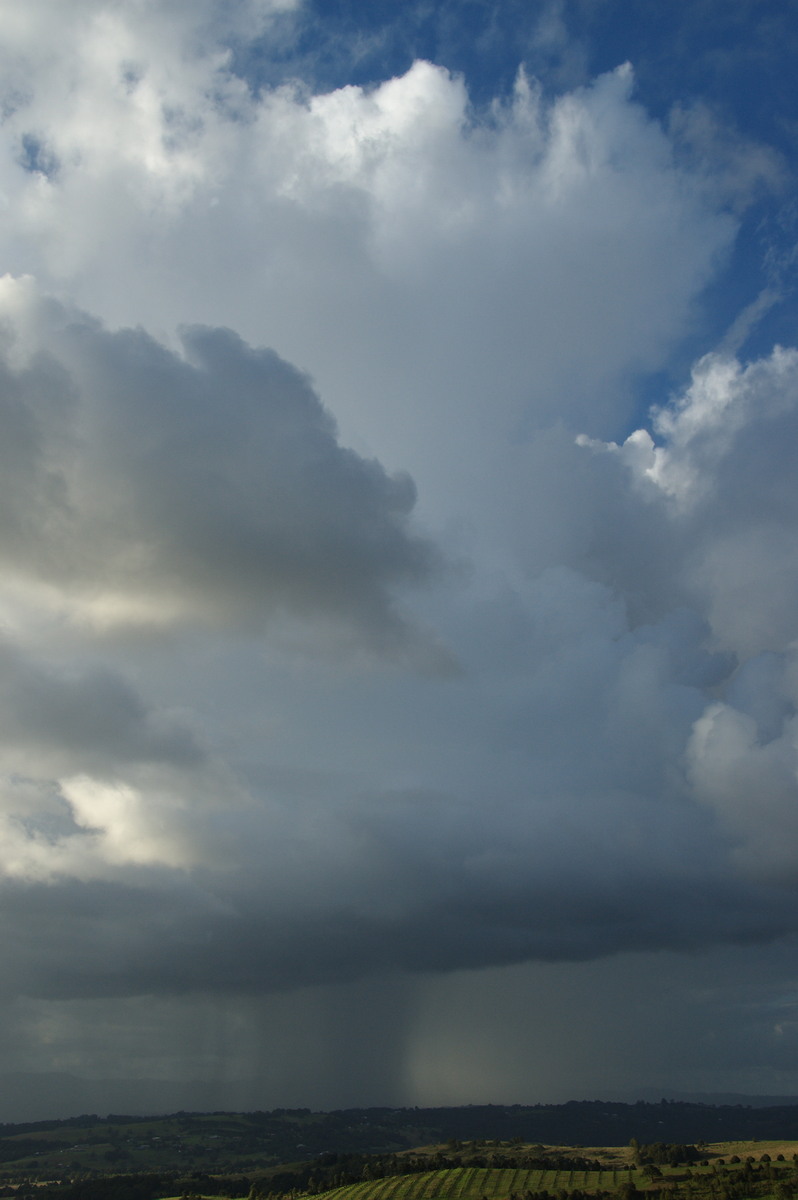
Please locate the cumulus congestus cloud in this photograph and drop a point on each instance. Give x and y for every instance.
(419, 642)
(613, 769)
(146, 492)
(146, 486)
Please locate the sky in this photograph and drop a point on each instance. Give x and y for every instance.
(398, 552)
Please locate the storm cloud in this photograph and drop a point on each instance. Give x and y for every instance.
(397, 555)
(461, 827)
(151, 486)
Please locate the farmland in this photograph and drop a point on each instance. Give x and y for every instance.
(726, 1171)
(723, 1171)
(378, 1155)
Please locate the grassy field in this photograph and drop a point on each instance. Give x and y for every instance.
(474, 1183)
(759, 1172)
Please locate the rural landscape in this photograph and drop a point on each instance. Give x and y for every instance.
(398, 600)
(385, 1154)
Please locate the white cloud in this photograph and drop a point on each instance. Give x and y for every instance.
(723, 474)
(723, 465)
(433, 269)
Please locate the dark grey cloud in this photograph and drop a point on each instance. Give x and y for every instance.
(212, 791)
(92, 718)
(146, 486)
(579, 790)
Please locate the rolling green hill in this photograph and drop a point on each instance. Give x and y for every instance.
(282, 1156)
(734, 1174)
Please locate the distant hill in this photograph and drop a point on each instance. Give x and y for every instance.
(653, 1096)
(26, 1097)
(223, 1141)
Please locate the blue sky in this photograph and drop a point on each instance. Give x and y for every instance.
(399, 551)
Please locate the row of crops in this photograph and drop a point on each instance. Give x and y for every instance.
(474, 1183)
(485, 1183)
